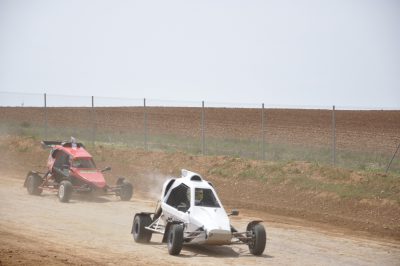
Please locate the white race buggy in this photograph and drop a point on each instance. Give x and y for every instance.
(190, 212)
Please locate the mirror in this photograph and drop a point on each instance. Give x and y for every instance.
(234, 213)
(108, 168)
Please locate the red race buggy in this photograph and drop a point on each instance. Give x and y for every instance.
(72, 169)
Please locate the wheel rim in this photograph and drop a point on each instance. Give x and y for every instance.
(253, 239)
(61, 191)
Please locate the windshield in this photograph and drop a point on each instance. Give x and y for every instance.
(205, 197)
(83, 163)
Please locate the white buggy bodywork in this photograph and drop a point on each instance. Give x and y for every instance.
(190, 212)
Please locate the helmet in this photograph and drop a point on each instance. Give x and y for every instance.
(198, 194)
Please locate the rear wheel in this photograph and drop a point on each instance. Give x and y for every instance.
(65, 191)
(126, 191)
(258, 239)
(33, 183)
(140, 233)
(175, 239)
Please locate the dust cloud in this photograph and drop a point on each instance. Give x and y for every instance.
(152, 184)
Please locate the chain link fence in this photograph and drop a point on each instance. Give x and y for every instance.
(355, 139)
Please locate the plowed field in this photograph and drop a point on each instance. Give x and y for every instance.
(355, 130)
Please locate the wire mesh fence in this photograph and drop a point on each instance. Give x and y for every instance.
(356, 139)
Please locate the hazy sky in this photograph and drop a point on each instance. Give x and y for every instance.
(298, 53)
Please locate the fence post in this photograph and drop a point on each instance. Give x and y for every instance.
(262, 133)
(145, 123)
(391, 160)
(203, 139)
(45, 116)
(94, 123)
(333, 137)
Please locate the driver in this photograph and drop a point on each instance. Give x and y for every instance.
(76, 163)
(198, 196)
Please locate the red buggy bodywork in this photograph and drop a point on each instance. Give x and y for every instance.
(70, 168)
(91, 175)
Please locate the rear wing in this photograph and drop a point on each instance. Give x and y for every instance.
(52, 143)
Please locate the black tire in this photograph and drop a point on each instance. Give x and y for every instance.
(258, 239)
(65, 191)
(126, 191)
(33, 183)
(175, 239)
(140, 233)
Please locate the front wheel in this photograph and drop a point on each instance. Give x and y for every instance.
(65, 191)
(33, 183)
(175, 239)
(126, 191)
(258, 239)
(140, 233)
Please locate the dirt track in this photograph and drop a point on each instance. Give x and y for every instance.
(41, 230)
